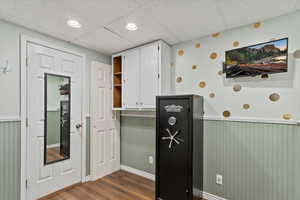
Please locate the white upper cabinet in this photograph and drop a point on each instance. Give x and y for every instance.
(149, 75)
(131, 73)
(146, 73)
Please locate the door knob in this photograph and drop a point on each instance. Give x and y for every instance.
(78, 126)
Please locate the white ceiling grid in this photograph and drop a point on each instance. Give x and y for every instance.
(103, 21)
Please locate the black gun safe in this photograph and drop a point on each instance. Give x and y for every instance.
(179, 147)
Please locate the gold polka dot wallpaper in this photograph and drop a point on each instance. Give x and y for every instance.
(199, 70)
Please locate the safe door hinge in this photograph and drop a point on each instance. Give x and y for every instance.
(27, 122)
(26, 184)
(158, 48)
(158, 76)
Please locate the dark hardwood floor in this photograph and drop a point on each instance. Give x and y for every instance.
(118, 186)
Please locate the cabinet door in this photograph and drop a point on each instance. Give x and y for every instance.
(149, 75)
(131, 71)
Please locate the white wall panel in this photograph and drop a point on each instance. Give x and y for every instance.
(10, 82)
(9, 50)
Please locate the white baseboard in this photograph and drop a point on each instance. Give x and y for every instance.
(138, 172)
(197, 193)
(87, 179)
(147, 175)
(209, 196)
(53, 145)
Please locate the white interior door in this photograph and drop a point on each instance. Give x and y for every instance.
(45, 179)
(105, 124)
(131, 69)
(149, 75)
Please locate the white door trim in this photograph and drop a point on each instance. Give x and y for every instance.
(23, 73)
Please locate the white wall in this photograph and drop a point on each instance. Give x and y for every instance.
(9, 50)
(10, 83)
(255, 91)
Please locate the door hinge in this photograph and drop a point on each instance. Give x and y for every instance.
(158, 48)
(26, 122)
(26, 61)
(26, 184)
(158, 76)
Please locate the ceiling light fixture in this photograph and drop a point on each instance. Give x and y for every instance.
(131, 27)
(73, 23)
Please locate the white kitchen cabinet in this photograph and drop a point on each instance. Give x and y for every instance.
(131, 81)
(149, 75)
(146, 73)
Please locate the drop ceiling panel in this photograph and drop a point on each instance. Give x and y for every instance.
(6, 8)
(267, 8)
(298, 4)
(235, 13)
(171, 20)
(143, 2)
(47, 18)
(7, 5)
(98, 12)
(188, 19)
(240, 12)
(50, 16)
(103, 41)
(48, 30)
(148, 28)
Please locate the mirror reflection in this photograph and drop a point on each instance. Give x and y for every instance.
(57, 118)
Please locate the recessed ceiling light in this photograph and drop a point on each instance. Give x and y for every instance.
(73, 23)
(131, 27)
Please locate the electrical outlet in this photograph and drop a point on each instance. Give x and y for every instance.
(150, 160)
(219, 179)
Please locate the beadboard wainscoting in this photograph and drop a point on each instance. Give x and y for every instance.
(10, 160)
(257, 160)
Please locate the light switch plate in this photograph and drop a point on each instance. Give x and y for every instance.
(150, 159)
(219, 179)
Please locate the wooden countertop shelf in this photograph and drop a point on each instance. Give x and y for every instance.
(117, 82)
(118, 73)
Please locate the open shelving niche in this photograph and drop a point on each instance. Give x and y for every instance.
(117, 81)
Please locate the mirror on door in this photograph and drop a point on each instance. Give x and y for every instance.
(57, 118)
